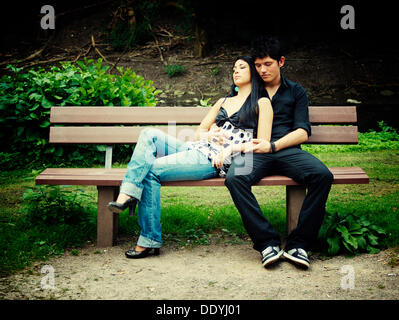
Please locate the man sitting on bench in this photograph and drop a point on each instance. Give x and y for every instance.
(281, 156)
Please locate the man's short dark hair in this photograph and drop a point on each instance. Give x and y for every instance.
(264, 46)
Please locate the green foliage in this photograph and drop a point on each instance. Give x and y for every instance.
(215, 71)
(174, 70)
(349, 233)
(51, 219)
(53, 205)
(27, 96)
(197, 236)
(386, 138)
(205, 103)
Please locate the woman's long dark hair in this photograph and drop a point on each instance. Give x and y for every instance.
(250, 108)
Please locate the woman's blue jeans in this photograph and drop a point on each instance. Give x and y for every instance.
(159, 157)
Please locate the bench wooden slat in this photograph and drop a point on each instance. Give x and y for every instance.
(129, 135)
(333, 115)
(113, 171)
(114, 177)
(180, 115)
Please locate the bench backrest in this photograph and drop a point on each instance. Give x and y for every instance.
(122, 125)
(103, 121)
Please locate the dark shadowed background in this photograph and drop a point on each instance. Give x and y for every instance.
(333, 64)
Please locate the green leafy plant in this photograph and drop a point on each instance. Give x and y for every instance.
(215, 71)
(205, 103)
(55, 205)
(174, 70)
(27, 96)
(349, 233)
(197, 236)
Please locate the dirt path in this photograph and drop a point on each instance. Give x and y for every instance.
(222, 272)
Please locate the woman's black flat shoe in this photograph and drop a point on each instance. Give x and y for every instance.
(133, 254)
(117, 207)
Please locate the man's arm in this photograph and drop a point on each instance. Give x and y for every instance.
(291, 139)
(301, 127)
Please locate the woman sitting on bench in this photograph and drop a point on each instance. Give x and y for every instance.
(235, 124)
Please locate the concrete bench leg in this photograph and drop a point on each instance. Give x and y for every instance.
(107, 222)
(295, 196)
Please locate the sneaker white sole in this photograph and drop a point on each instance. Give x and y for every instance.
(299, 262)
(273, 259)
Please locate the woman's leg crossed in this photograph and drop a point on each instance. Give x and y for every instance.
(184, 165)
(152, 143)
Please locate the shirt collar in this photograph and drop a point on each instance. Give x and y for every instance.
(284, 82)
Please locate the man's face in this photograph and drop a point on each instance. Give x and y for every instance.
(268, 68)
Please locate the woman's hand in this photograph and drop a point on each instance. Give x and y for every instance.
(217, 133)
(218, 162)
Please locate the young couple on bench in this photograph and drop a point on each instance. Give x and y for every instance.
(255, 131)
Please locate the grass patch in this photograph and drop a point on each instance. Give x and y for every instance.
(174, 70)
(195, 215)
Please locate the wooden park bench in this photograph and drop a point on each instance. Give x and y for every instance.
(98, 125)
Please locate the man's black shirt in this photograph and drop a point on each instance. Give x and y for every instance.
(290, 109)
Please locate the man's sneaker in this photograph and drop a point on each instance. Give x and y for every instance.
(298, 256)
(271, 255)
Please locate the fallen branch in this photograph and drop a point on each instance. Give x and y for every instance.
(92, 46)
(80, 54)
(97, 50)
(32, 56)
(44, 62)
(83, 54)
(117, 61)
(157, 45)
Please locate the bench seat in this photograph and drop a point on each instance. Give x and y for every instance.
(113, 177)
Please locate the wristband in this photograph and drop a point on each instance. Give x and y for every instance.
(273, 147)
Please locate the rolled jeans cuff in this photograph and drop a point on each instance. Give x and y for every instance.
(148, 243)
(131, 190)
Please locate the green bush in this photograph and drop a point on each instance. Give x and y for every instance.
(27, 96)
(51, 219)
(386, 138)
(53, 205)
(349, 233)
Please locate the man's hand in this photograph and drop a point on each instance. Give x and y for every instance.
(261, 146)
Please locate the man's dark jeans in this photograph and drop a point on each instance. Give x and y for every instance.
(292, 162)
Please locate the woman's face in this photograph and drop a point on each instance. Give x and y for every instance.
(241, 73)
